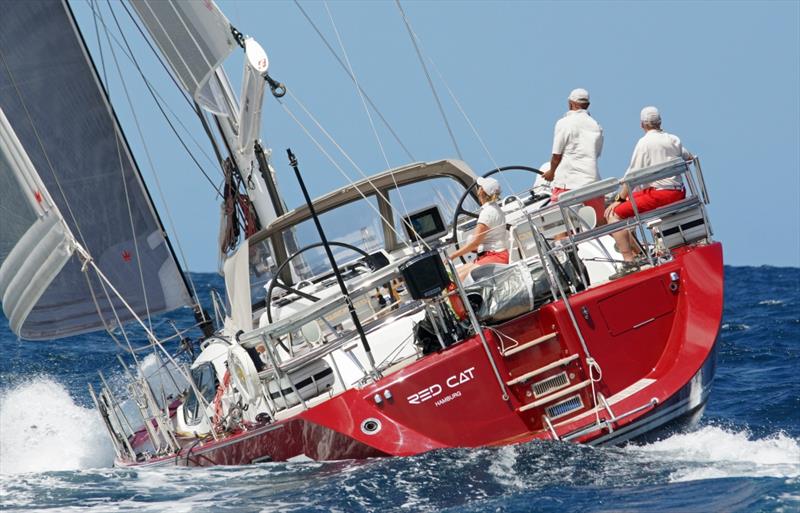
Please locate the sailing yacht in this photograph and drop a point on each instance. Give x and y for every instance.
(335, 340)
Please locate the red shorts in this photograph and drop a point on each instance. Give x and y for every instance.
(598, 203)
(493, 257)
(649, 199)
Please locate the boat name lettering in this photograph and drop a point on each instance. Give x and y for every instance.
(455, 380)
(446, 399)
(434, 390)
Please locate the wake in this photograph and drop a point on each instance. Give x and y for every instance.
(714, 452)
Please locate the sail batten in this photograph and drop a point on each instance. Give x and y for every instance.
(69, 143)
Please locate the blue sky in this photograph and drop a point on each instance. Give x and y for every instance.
(725, 75)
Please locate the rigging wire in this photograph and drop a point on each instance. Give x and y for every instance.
(420, 49)
(63, 195)
(366, 109)
(184, 94)
(161, 101)
(41, 146)
(99, 46)
(149, 158)
(342, 171)
(116, 317)
(352, 77)
(122, 174)
(428, 77)
(463, 113)
(357, 86)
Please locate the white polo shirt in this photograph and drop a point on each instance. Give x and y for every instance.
(496, 239)
(656, 147)
(578, 139)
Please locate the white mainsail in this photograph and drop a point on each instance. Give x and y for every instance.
(29, 217)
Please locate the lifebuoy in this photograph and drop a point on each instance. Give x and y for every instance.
(244, 374)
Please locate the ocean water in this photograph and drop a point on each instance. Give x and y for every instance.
(744, 456)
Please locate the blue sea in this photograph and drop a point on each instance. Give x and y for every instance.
(744, 456)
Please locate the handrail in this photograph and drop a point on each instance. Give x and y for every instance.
(673, 167)
(328, 347)
(316, 310)
(478, 330)
(609, 228)
(587, 192)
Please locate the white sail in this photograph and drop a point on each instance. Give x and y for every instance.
(195, 37)
(68, 177)
(42, 242)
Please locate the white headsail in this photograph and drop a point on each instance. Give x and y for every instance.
(195, 38)
(67, 178)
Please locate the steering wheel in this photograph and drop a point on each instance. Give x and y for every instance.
(278, 282)
(460, 210)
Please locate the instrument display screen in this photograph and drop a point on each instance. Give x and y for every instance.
(427, 224)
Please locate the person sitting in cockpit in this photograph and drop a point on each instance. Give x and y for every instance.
(490, 238)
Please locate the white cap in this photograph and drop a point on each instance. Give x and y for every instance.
(545, 167)
(650, 115)
(489, 185)
(579, 96)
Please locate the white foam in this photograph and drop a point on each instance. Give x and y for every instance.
(41, 429)
(502, 467)
(735, 327)
(713, 452)
(771, 302)
(163, 379)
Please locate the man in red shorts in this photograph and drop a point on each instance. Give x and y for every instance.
(577, 144)
(655, 147)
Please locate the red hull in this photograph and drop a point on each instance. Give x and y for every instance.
(653, 336)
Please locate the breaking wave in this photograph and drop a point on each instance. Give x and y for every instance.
(43, 429)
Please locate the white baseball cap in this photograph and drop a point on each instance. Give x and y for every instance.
(579, 96)
(489, 185)
(650, 115)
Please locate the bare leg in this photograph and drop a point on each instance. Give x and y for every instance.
(625, 241)
(464, 270)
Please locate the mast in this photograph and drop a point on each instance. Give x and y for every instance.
(195, 38)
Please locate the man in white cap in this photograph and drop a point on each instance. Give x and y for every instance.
(655, 147)
(577, 144)
(490, 238)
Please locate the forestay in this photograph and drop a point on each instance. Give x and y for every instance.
(77, 158)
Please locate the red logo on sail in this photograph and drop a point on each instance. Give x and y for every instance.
(126, 256)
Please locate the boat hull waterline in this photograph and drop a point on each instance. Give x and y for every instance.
(653, 333)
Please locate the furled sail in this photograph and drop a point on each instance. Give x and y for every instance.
(70, 151)
(195, 37)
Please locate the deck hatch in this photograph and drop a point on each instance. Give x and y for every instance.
(565, 407)
(550, 384)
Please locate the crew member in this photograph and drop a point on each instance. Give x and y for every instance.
(490, 238)
(577, 144)
(655, 147)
